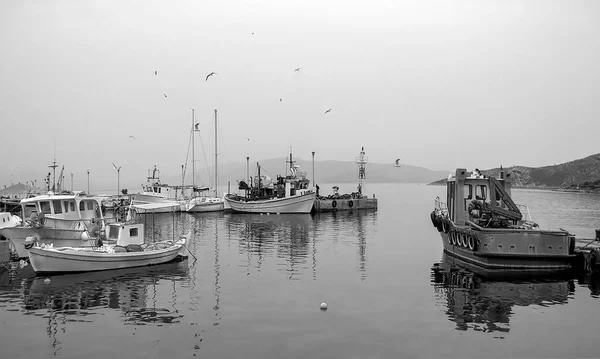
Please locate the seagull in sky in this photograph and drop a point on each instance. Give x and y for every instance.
(165, 94)
(248, 139)
(155, 73)
(280, 99)
(297, 69)
(209, 75)
(397, 162)
(196, 126)
(132, 137)
(253, 33)
(328, 110)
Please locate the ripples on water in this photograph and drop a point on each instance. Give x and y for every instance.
(255, 290)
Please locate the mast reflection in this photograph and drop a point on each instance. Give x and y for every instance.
(482, 300)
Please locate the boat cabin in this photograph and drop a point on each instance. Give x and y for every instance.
(126, 234)
(480, 199)
(154, 187)
(66, 207)
(293, 184)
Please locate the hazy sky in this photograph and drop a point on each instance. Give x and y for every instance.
(440, 84)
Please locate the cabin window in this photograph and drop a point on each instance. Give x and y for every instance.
(90, 205)
(82, 206)
(113, 232)
(66, 205)
(57, 207)
(480, 192)
(159, 190)
(155, 189)
(133, 232)
(72, 205)
(468, 191)
(45, 207)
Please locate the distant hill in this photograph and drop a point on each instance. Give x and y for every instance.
(574, 175)
(325, 172)
(18, 189)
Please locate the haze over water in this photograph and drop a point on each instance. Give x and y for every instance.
(255, 291)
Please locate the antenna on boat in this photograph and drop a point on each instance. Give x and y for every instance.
(53, 166)
(361, 161)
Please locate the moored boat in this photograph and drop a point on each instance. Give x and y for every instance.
(129, 251)
(67, 219)
(289, 194)
(481, 224)
(161, 197)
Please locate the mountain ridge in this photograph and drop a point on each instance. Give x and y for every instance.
(575, 175)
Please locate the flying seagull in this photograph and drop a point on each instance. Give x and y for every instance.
(248, 139)
(155, 73)
(328, 110)
(397, 162)
(209, 75)
(132, 137)
(280, 99)
(297, 69)
(196, 126)
(165, 94)
(253, 33)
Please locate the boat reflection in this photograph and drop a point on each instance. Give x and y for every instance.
(133, 291)
(353, 226)
(483, 300)
(285, 235)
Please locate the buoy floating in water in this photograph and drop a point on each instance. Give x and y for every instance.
(47, 281)
(323, 306)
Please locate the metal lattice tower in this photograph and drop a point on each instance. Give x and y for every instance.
(361, 161)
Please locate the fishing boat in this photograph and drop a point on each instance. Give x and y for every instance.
(69, 218)
(8, 220)
(130, 250)
(199, 201)
(161, 197)
(288, 194)
(481, 224)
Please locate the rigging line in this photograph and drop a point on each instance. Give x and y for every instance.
(206, 162)
(188, 152)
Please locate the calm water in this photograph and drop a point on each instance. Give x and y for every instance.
(255, 291)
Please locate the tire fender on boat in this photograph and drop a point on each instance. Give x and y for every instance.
(334, 203)
(471, 243)
(350, 204)
(446, 225)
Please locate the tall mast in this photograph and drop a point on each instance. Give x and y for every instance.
(193, 158)
(216, 183)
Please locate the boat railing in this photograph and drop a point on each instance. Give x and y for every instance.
(525, 212)
(440, 206)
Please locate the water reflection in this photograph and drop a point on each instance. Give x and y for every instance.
(352, 225)
(482, 300)
(285, 235)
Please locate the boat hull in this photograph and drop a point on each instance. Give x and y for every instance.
(44, 261)
(59, 237)
(196, 206)
(518, 249)
(295, 204)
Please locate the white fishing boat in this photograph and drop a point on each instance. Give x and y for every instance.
(130, 250)
(66, 219)
(161, 197)
(289, 194)
(8, 220)
(199, 202)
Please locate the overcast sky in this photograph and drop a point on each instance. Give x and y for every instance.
(439, 84)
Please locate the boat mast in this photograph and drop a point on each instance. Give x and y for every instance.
(193, 159)
(216, 183)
